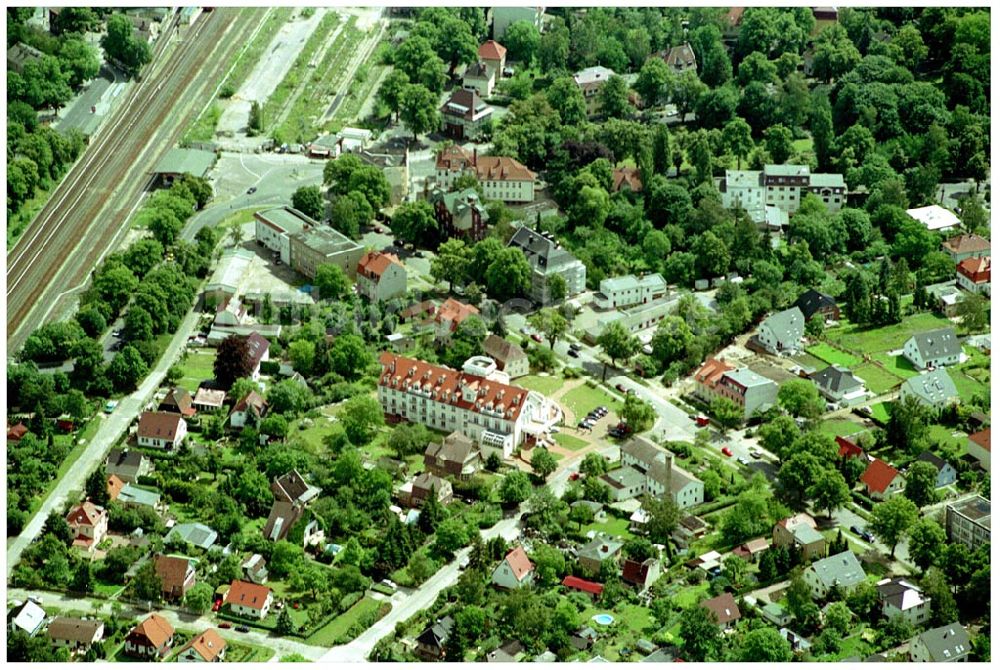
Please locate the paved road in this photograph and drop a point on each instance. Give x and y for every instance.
(111, 430)
(281, 646)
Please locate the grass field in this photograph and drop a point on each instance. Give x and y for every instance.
(691, 595)
(897, 365)
(944, 435)
(196, 368)
(244, 652)
(808, 361)
(203, 129)
(365, 79)
(584, 398)
(877, 379)
(612, 526)
(570, 442)
(840, 427)
(329, 634)
(967, 386)
(887, 338)
(880, 412)
(544, 385)
(832, 355)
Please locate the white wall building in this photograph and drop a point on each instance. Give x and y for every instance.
(630, 290)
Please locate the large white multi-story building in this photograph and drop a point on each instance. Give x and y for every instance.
(500, 177)
(473, 401)
(630, 290)
(548, 258)
(781, 187)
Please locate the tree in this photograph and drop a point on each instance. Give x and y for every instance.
(146, 584)
(309, 201)
(361, 417)
(566, 98)
(79, 61)
(638, 414)
(652, 82)
(778, 142)
(127, 368)
(664, 515)
(522, 41)
(974, 312)
(701, 639)
(451, 263)
(711, 254)
(331, 281)
(199, 598)
(764, 645)
(593, 465)
(927, 538)
(556, 288)
(508, 275)
(737, 138)
(450, 536)
(581, 515)
(835, 54)
(232, 360)
(543, 463)
(391, 92)
(800, 398)
(515, 488)
(550, 323)
(908, 427)
(726, 412)
(414, 222)
(829, 491)
(821, 127)
(617, 343)
(418, 110)
(838, 617)
(892, 519)
(122, 45)
(921, 483)
(455, 42)
(613, 98)
(163, 223)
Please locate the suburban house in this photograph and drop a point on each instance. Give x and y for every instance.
(291, 495)
(848, 448)
(641, 574)
(934, 389)
(680, 58)
(480, 78)
(129, 495)
(841, 570)
(965, 246)
(431, 642)
(75, 634)
(178, 401)
(750, 549)
(782, 332)
(973, 274)
(593, 589)
(707, 377)
(255, 569)
(647, 469)
(455, 456)
(208, 647)
(460, 213)
(452, 162)
(27, 617)
(248, 599)
(197, 534)
(947, 644)
(935, 218)
(250, 409)
(724, 609)
(127, 465)
(464, 114)
(968, 521)
(601, 548)
(978, 447)
(503, 178)
(839, 385)
(750, 391)
(209, 400)
(19, 55)
(800, 532)
(590, 81)
(630, 290)
(150, 639)
(503, 17)
(626, 178)
(494, 55)
(449, 315)
(812, 302)
(548, 258)
(510, 358)
(495, 415)
(161, 429)
(945, 297)
(898, 597)
(424, 485)
(934, 348)
(946, 471)
(259, 349)
(515, 570)
(380, 277)
(776, 613)
(511, 651)
(88, 523)
(882, 481)
(177, 575)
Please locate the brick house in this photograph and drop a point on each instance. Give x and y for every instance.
(249, 600)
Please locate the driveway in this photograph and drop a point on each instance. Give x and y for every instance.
(672, 423)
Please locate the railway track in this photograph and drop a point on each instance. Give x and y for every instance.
(89, 209)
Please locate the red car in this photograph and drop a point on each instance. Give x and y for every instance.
(573, 477)
(536, 337)
(225, 624)
(216, 605)
(727, 451)
(701, 421)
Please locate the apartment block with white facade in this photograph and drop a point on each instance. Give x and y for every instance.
(780, 186)
(630, 290)
(547, 258)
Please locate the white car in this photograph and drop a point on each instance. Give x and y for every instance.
(755, 454)
(391, 584)
(743, 460)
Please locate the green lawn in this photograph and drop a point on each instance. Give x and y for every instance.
(691, 595)
(808, 361)
(878, 380)
(196, 368)
(887, 338)
(570, 442)
(897, 365)
(329, 634)
(967, 386)
(880, 412)
(832, 355)
(941, 434)
(544, 385)
(613, 526)
(584, 398)
(842, 427)
(244, 652)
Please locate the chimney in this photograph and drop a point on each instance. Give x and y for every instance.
(604, 548)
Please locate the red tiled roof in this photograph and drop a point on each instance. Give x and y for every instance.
(208, 645)
(17, 431)
(634, 572)
(247, 594)
(446, 385)
(172, 571)
(724, 606)
(976, 269)
(251, 399)
(115, 486)
(572, 582)
(966, 244)
(492, 50)
(793, 521)
(454, 311)
(848, 448)
(878, 476)
(159, 425)
(502, 168)
(374, 263)
(625, 177)
(85, 514)
(711, 371)
(519, 563)
(454, 157)
(982, 438)
(154, 629)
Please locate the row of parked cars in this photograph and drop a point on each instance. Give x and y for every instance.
(595, 415)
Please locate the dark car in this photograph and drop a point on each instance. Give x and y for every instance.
(397, 243)
(574, 347)
(574, 353)
(251, 190)
(536, 337)
(243, 629)
(620, 388)
(225, 624)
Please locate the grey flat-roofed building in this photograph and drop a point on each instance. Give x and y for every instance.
(179, 161)
(322, 246)
(968, 521)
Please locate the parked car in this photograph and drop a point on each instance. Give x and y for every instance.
(743, 460)
(727, 451)
(110, 406)
(536, 337)
(574, 346)
(225, 624)
(573, 477)
(116, 332)
(620, 388)
(243, 628)
(574, 353)
(756, 454)
(397, 243)
(863, 533)
(251, 190)
(391, 584)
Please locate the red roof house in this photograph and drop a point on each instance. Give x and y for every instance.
(881, 480)
(578, 584)
(848, 449)
(515, 570)
(249, 599)
(726, 611)
(16, 432)
(973, 274)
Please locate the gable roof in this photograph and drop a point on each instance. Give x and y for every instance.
(492, 50)
(840, 569)
(966, 244)
(848, 448)
(210, 397)
(933, 459)
(466, 104)
(680, 56)
(812, 301)
(724, 607)
(172, 571)
(437, 634)
(125, 458)
(247, 594)
(787, 325)
(645, 451)
(946, 643)
(934, 217)
(975, 269)
(501, 350)
(636, 572)
(74, 630)
(251, 400)
(86, 513)
(155, 629)
(455, 311)
(711, 371)
(292, 487)
(197, 534)
(159, 425)
(477, 70)
(836, 379)
(899, 593)
(626, 177)
(258, 346)
(878, 476)
(519, 563)
(453, 157)
(592, 76)
(115, 486)
(208, 645)
(455, 448)
(181, 399)
(426, 481)
(938, 343)
(584, 585)
(374, 263)
(28, 616)
(932, 387)
(601, 547)
(981, 438)
(502, 168)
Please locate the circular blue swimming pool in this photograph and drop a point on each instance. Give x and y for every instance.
(603, 619)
